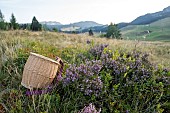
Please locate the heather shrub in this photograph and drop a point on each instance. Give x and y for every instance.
(87, 77)
(116, 81)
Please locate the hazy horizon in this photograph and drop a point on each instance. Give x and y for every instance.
(70, 11)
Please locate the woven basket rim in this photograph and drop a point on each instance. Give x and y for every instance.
(43, 57)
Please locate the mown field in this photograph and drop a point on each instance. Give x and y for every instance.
(109, 75)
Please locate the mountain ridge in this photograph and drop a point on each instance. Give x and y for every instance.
(51, 23)
(81, 24)
(84, 26)
(151, 17)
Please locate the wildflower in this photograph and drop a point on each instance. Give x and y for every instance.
(90, 109)
(87, 75)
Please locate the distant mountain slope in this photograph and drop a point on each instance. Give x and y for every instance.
(78, 25)
(97, 29)
(152, 17)
(85, 24)
(148, 18)
(50, 23)
(69, 29)
(159, 30)
(164, 23)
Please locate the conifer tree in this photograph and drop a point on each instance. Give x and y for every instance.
(113, 31)
(13, 24)
(90, 32)
(35, 25)
(2, 23)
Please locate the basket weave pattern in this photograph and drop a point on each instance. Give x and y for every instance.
(39, 71)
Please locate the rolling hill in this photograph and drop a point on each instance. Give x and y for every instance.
(77, 26)
(51, 23)
(158, 30)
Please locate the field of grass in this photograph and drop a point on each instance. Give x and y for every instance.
(15, 47)
(160, 31)
(13, 41)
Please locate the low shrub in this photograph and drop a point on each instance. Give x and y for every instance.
(116, 81)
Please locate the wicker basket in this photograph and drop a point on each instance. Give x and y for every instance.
(39, 71)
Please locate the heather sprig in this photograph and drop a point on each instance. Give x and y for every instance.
(90, 109)
(87, 75)
(97, 51)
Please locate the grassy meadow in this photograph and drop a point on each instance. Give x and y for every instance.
(15, 47)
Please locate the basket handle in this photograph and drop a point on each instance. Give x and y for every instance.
(58, 59)
(59, 77)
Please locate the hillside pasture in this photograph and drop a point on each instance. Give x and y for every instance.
(160, 31)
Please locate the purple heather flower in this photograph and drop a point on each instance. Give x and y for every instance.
(91, 82)
(97, 50)
(38, 92)
(90, 109)
(59, 78)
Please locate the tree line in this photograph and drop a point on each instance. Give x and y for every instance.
(112, 31)
(13, 25)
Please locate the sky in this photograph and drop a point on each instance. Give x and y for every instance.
(70, 11)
